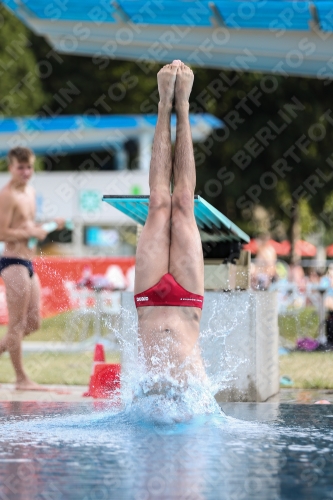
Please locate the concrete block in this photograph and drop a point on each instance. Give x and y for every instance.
(220, 275)
(242, 278)
(129, 342)
(239, 342)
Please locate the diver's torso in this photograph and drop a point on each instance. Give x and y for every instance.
(168, 334)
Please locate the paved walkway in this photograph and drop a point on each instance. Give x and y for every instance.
(305, 396)
(55, 393)
(75, 394)
(32, 346)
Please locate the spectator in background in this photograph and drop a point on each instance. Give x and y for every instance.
(265, 262)
(313, 276)
(296, 275)
(19, 232)
(326, 282)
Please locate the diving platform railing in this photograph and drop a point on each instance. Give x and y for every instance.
(227, 265)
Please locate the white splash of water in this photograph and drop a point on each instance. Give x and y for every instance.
(157, 395)
(220, 365)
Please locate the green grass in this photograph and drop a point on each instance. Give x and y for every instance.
(55, 368)
(303, 323)
(70, 326)
(66, 326)
(308, 370)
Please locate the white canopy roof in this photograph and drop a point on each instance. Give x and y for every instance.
(60, 135)
(278, 36)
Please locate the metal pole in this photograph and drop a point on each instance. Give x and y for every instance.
(98, 318)
(322, 317)
(145, 145)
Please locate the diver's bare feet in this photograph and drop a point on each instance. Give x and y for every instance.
(166, 79)
(183, 87)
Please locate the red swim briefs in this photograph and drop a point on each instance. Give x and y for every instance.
(167, 292)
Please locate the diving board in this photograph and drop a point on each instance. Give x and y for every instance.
(211, 222)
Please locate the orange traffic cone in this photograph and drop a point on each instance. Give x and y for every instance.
(106, 380)
(99, 357)
(105, 377)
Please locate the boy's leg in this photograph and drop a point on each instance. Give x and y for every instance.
(186, 257)
(23, 303)
(33, 313)
(18, 290)
(152, 255)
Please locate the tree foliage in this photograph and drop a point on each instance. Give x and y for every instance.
(21, 91)
(293, 167)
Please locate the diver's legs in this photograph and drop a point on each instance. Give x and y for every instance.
(152, 255)
(186, 257)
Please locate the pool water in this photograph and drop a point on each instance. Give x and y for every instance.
(90, 451)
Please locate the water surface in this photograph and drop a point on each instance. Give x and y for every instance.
(90, 451)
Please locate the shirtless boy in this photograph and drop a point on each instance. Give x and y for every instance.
(169, 276)
(17, 225)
